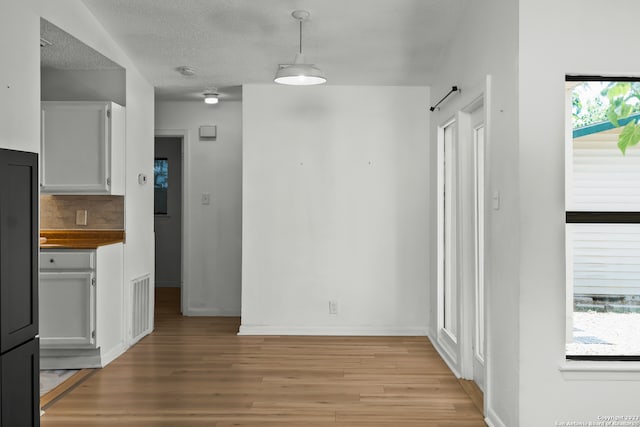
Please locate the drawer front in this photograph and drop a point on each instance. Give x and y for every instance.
(67, 260)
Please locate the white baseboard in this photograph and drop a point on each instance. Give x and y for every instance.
(333, 330)
(69, 362)
(112, 355)
(493, 420)
(213, 312)
(80, 358)
(444, 356)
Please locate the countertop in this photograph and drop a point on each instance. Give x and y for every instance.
(79, 239)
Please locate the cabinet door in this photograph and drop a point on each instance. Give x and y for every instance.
(75, 147)
(18, 248)
(67, 310)
(20, 386)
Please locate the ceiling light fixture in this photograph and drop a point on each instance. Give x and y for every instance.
(299, 73)
(211, 96)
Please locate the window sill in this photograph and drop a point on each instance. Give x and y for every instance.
(584, 370)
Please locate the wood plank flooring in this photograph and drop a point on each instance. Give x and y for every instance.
(195, 372)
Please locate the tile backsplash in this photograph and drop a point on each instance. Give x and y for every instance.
(103, 212)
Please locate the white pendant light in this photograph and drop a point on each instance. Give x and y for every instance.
(211, 96)
(300, 73)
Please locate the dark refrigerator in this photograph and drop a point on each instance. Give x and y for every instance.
(19, 248)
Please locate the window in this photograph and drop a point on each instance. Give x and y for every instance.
(602, 199)
(160, 185)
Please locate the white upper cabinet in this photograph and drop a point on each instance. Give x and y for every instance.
(82, 149)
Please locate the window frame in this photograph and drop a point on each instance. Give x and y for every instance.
(592, 217)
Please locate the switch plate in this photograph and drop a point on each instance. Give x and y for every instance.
(81, 217)
(333, 307)
(495, 200)
(206, 198)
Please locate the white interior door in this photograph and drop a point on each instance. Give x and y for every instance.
(478, 138)
(448, 277)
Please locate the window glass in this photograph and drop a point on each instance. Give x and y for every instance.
(603, 219)
(605, 277)
(160, 186)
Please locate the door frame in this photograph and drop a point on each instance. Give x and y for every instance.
(183, 134)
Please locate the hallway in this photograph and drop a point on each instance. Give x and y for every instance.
(195, 371)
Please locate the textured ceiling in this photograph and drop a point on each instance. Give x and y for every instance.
(234, 42)
(68, 53)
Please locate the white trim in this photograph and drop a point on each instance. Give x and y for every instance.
(444, 355)
(488, 369)
(584, 370)
(215, 312)
(79, 359)
(410, 331)
(493, 420)
(186, 185)
(465, 263)
(70, 362)
(113, 354)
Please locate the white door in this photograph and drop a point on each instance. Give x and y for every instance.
(478, 138)
(448, 283)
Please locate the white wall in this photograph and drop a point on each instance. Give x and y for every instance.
(74, 18)
(335, 208)
(213, 241)
(20, 85)
(486, 44)
(575, 40)
(84, 85)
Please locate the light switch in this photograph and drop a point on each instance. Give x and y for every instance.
(206, 198)
(81, 217)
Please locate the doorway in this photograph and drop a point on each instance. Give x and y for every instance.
(168, 188)
(461, 241)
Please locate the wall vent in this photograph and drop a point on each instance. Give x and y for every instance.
(140, 303)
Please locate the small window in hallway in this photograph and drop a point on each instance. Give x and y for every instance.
(160, 185)
(602, 200)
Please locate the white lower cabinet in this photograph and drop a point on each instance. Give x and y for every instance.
(81, 307)
(67, 309)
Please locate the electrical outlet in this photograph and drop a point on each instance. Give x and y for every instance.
(333, 307)
(81, 217)
(206, 198)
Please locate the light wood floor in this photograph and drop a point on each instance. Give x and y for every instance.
(196, 372)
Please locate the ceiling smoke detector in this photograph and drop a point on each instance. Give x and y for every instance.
(186, 71)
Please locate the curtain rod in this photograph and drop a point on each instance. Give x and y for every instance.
(453, 89)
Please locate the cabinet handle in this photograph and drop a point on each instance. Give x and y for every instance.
(51, 260)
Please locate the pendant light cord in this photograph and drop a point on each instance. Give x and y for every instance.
(301, 36)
